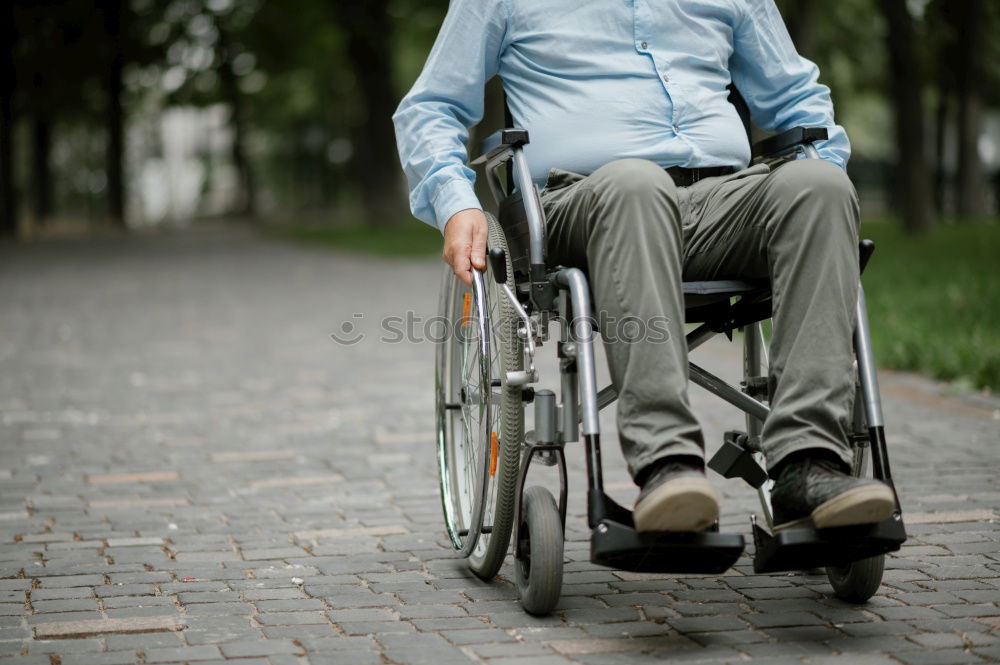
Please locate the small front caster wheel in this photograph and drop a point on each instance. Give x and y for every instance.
(539, 559)
(858, 581)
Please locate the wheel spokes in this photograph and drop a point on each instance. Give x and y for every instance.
(472, 410)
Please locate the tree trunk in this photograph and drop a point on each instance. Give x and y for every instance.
(940, 147)
(246, 202)
(369, 37)
(802, 22)
(41, 171)
(247, 205)
(114, 26)
(8, 208)
(912, 178)
(971, 184)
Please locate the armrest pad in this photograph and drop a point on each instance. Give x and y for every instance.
(499, 141)
(787, 140)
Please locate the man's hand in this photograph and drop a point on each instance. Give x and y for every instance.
(465, 243)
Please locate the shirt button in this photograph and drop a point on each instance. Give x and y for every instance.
(643, 45)
(677, 129)
(666, 79)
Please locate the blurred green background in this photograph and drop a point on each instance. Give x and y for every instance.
(120, 115)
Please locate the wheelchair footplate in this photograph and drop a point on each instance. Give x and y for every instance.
(615, 543)
(806, 548)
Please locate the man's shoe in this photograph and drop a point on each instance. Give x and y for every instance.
(817, 493)
(676, 497)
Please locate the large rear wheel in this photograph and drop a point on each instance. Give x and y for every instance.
(480, 419)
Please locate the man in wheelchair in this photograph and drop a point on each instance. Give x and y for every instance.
(643, 163)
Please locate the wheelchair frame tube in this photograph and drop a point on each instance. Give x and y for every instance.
(753, 355)
(568, 412)
(752, 341)
(574, 280)
(869, 390)
(532, 208)
(866, 364)
(720, 388)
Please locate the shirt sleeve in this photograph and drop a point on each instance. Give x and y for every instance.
(781, 87)
(433, 120)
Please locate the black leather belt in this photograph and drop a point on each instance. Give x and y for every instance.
(686, 177)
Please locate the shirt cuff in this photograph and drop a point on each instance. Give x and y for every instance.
(451, 197)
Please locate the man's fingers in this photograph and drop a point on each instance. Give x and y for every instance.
(479, 246)
(463, 270)
(465, 243)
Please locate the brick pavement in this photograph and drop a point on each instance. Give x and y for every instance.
(191, 471)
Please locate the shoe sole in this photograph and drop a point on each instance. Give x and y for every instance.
(861, 505)
(684, 504)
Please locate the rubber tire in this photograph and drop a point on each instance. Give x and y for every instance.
(858, 581)
(488, 564)
(539, 574)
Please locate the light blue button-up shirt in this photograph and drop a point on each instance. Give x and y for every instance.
(597, 80)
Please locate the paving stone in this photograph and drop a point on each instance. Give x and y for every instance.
(579, 647)
(253, 456)
(273, 594)
(508, 649)
(106, 658)
(479, 636)
(705, 624)
(352, 657)
(66, 605)
(340, 644)
(144, 641)
(300, 631)
(290, 618)
(375, 627)
(260, 648)
(186, 654)
(134, 542)
(433, 656)
(447, 623)
(938, 657)
(428, 611)
(64, 629)
(207, 597)
(531, 660)
(54, 582)
(217, 609)
(143, 477)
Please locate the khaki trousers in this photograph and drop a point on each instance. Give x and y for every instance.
(638, 236)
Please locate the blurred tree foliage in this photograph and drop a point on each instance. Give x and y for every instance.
(308, 87)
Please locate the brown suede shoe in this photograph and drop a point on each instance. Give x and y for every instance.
(676, 497)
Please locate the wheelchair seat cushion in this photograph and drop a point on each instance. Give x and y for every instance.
(729, 287)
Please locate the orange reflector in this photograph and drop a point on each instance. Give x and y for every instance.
(466, 307)
(494, 452)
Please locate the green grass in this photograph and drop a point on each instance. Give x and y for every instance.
(934, 301)
(407, 239)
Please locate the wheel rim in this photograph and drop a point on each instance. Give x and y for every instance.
(468, 361)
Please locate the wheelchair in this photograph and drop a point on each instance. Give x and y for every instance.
(486, 375)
